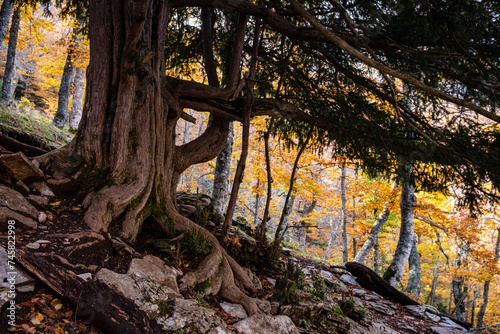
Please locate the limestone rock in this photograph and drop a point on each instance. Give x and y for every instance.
(310, 311)
(381, 308)
(348, 279)
(20, 168)
(261, 323)
(333, 281)
(235, 310)
(42, 188)
(16, 202)
(264, 305)
(153, 268)
(384, 329)
(24, 222)
(446, 330)
(255, 280)
(40, 200)
(188, 314)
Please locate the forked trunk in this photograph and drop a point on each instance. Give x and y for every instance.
(124, 151)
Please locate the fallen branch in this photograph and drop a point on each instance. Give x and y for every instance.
(94, 301)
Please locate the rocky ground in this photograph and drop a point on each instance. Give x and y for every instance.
(301, 297)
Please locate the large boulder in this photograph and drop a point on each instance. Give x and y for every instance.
(13, 206)
(189, 317)
(261, 323)
(19, 167)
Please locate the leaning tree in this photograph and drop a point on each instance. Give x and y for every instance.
(350, 68)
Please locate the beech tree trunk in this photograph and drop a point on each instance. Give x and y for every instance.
(265, 217)
(10, 64)
(415, 275)
(394, 273)
(5, 15)
(75, 114)
(343, 215)
(486, 288)
(64, 95)
(333, 236)
(125, 150)
(221, 175)
(458, 284)
(373, 236)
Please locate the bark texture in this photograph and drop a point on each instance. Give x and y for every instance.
(459, 286)
(77, 104)
(221, 175)
(415, 275)
(343, 214)
(10, 64)
(394, 273)
(5, 15)
(124, 154)
(373, 236)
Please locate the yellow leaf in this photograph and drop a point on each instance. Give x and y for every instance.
(55, 203)
(35, 321)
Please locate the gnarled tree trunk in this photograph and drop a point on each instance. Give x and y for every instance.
(125, 146)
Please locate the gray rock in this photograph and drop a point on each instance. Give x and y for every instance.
(33, 245)
(154, 269)
(383, 328)
(235, 310)
(85, 276)
(381, 308)
(42, 217)
(14, 201)
(359, 292)
(348, 279)
(275, 308)
(42, 188)
(447, 322)
(433, 316)
(255, 280)
(23, 185)
(20, 168)
(272, 281)
(333, 281)
(264, 305)
(4, 299)
(446, 330)
(23, 222)
(188, 314)
(261, 323)
(40, 200)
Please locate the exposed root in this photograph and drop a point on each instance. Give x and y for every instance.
(218, 273)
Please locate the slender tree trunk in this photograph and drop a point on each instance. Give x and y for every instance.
(333, 236)
(376, 258)
(67, 78)
(265, 217)
(431, 298)
(75, 114)
(238, 176)
(343, 215)
(301, 230)
(288, 212)
(458, 284)
(415, 275)
(221, 175)
(486, 289)
(257, 206)
(281, 229)
(394, 273)
(10, 64)
(373, 236)
(5, 14)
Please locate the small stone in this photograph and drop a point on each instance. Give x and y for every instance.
(235, 310)
(275, 308)
(33, 245)
(263, 305)
(348, 279)
(271, 280)
(359, 292)
(42, 217)
(210, 223)
(432, 316)
(42, 227)
(85, 276)
(42, 188)
(44, 242)
(40, 200)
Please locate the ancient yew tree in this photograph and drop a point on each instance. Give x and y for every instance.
(124, 158)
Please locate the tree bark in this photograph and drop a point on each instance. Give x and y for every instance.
(376, 258)
(415, 275)
(5, 14)
(10, 64)
(333, 236)
(75, 114)
(458, 284)
(124, 156)
(373, 236)
(221, 175)
(64, 95)
(394, 273)
(265, 217)
(343, 215)
(486, 288)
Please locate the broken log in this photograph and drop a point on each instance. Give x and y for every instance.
(93, 300)
(16, 146)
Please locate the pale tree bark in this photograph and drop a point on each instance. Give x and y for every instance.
(333, 235)
(221, 175)
(373, 236)
(459, 286)
(64, 95)
(301, 228)
(343, 214)
(257, 206)
(286, 215)
(431, 298)
(376, 258)
(486, 288)
(10, 64)
(5, 15)
(75, 114)
(265, 217)
(415, 274)
(394, 273)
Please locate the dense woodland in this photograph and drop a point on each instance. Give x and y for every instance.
(351, 130)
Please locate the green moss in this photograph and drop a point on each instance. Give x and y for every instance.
(92, 178)
(389, 273)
